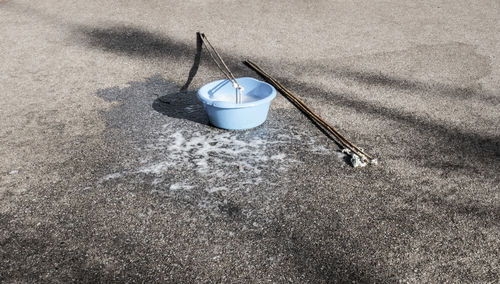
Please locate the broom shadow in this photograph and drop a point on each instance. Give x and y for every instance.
(196, 63)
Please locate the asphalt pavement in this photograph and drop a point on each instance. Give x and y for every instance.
(111, 172)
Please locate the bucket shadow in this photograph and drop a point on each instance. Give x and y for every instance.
(181, 105)
(141, 102)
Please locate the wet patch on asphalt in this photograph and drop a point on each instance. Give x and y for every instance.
(167, 146)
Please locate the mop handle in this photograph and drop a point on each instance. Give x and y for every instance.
(222, 65)
(312, 115)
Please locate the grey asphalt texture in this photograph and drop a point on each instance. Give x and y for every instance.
(110, 171)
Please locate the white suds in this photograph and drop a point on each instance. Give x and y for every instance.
(112, 176)
(279, 157)
(358, 161)
(155, 168)
(213, 158)
(180, 185)
(207, 153)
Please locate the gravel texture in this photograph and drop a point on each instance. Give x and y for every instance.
(110, 171)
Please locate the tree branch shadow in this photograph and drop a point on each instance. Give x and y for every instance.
(455, 143)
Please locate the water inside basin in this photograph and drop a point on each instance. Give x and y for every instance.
(220, 103)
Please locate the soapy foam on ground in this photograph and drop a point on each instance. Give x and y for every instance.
(180, 185)
(206, 154)
(214, 157)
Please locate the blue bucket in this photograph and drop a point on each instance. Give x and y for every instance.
(219, 101)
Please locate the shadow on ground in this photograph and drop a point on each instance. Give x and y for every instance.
(161, 95)
(181, 105)
(136, 42)
(132, 41)
(453, 151)
(116, 226)
(454, 144)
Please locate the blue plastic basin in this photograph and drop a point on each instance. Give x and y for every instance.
(219, 101)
